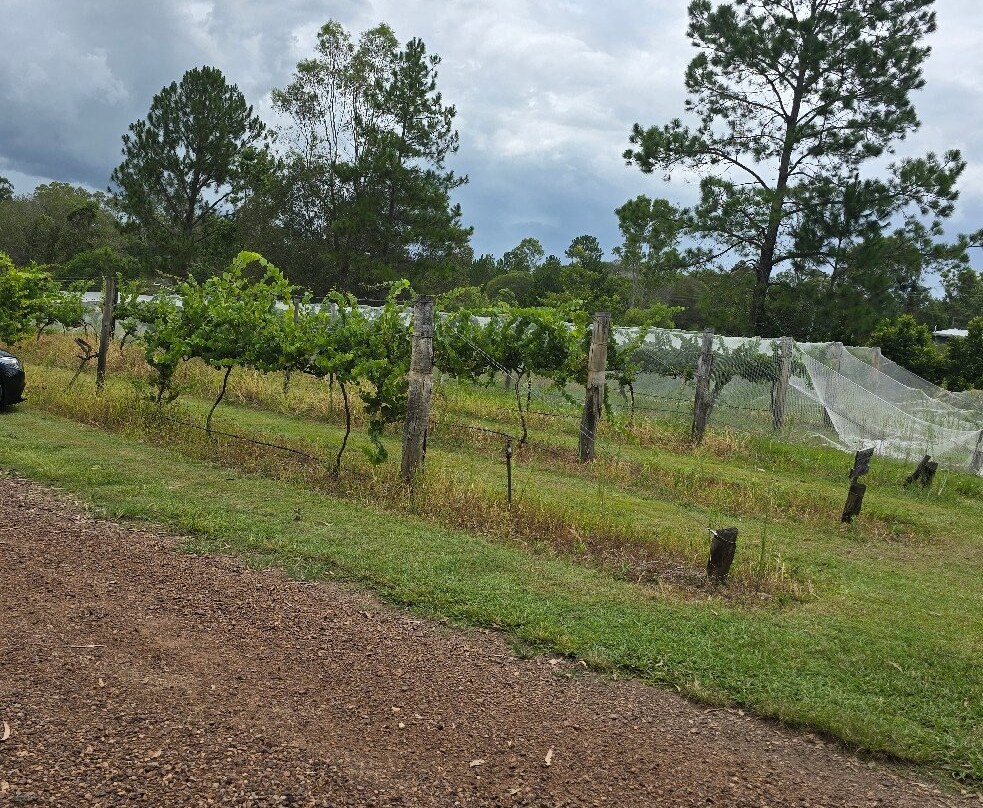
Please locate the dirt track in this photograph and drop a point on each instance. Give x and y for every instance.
(132, 674)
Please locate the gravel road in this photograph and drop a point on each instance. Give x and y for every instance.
(133, 674)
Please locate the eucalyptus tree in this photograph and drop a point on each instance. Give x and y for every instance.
(364, 192)
(650, 252)
(792, 98)
(187, 167)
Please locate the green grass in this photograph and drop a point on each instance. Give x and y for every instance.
(890, 665)
(873, 635)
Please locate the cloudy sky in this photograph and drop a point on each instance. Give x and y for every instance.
(546, 92)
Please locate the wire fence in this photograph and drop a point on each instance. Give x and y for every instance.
(843, 396)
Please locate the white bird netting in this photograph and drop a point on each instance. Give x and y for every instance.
(849, 397)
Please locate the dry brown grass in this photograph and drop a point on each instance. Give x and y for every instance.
(441, 495)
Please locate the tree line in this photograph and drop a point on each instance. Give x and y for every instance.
(807, 223)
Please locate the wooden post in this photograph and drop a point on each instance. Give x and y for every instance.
(977, 461)
(701, 404)
(594, 396)
(781, 386)
(723, 545)
(861, 463)
(925, 471)
(295, 302)
(421, 387)
(854, 501)
(835, 355)
(855, 497)
(875, 363)
(508, 471)
(108, 326)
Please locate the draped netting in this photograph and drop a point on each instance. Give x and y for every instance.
(849, 397)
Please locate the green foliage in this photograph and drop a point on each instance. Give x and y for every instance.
(234, 319)
(384, 362)
(99, 262)
(649, 252)
(624, 361)
(721, 298)
(226, 321)
(676, 355)
(31, 301)
(463, 297)
(55, 223)
(527, 256)
(186, 166)
(655, 315)
(909, 343)
(879, 279)
(239, 319)
(519, 342)
(589, 282)
(482, 269)
(516, 288)
(363, 195)
(340, 341)
(792, 100)
(963, 296)
(965, 360)
(548, 279)
(164, 337)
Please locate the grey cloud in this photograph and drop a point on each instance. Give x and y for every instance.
(546, 91)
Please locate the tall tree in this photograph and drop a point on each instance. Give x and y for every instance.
(186, 167)
(590, 279)
(965, 360)
(963, 297)
(6, 189)
(526, 256)
(792, 98)
(364, 192)
(650, 252)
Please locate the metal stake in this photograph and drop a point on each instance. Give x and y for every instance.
(508, 470)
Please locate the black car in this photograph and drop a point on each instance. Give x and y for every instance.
(11, 379)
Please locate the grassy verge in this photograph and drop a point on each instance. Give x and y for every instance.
(885, 658)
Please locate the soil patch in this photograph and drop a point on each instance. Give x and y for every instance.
(134, 674)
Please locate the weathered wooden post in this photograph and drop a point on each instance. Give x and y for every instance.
(855, 498)
(701, 404)
(508, 472)
(723, 545)
(295, 304)
(977, 461)
(421, 387)
(594, 396)
(108, 326)
(835, 356)
(781, 385)
(875, 374)
(925, 471)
